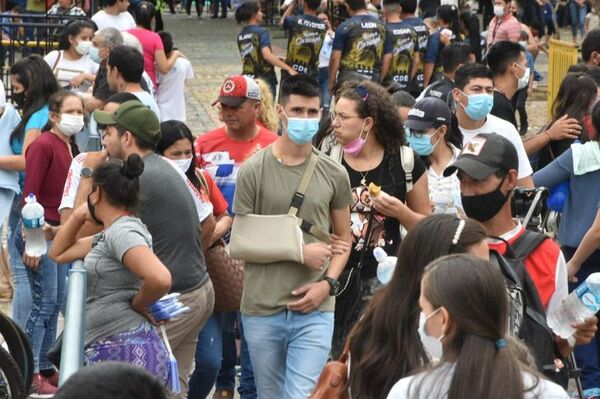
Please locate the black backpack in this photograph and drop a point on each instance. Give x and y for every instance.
(527, 318)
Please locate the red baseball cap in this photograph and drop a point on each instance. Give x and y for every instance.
(237, 89)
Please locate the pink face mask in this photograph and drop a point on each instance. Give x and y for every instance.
(355, 146)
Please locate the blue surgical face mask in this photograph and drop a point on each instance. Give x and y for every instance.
(479, 106)
(94, 53)
(301, 130)
(421, 143)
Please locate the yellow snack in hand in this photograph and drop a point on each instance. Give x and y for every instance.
(374, 190)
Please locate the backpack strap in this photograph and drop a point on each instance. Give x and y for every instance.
(408, 164)
(527, 243)
(202, 180)
(336, 153)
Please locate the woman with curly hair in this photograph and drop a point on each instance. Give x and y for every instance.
(366, 123)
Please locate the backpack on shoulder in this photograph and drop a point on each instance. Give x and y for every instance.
(527, 316)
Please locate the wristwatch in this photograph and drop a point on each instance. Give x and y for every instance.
(86, 172)
(333, 284)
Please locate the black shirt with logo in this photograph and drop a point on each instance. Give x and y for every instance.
(363, 41)
(306, 35)
(405, 43)
(251, 40)
(422, 36)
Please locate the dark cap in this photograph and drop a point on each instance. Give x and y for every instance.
(134, 116)
(428, 112)
(485, 155)
(237, 89)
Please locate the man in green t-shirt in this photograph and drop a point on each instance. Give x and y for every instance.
(287, 307)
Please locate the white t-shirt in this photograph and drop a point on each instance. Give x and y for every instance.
(437, 383)
(65, 69)
(493, 124)
(203, 206)
(2, 95)
(171, 90)
(122, 21)
(147, 99)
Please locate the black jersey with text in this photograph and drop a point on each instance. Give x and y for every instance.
(251, 40)
(363, 41)
(404, 45)
(306, 35)
(422, 36)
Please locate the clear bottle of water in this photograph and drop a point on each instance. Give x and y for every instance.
(386, 266)
(33, 222)
(579, 305)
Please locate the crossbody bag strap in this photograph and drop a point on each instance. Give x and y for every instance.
(298, 200)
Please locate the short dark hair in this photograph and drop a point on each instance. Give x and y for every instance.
(408, 6)
(454, 55)
(312, 4)
(121, 98)
(467, 72)
(128, 61)
(115, 380)
(356, 5)
(502, 54)
(300, 85)
(590, 44)
(246, 10)
(144, 13)
(167, 41)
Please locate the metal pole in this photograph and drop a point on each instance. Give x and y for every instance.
(71, 358)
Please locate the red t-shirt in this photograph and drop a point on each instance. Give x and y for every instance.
(47, 162)
(221, 156)
(546, 267)
(215, 196)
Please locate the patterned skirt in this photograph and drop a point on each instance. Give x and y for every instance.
(140, 346)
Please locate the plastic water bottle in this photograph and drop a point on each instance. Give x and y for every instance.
(386, 266)
(579, 305)
(33, 221)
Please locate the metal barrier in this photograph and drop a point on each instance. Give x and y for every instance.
(71, 357)
(562, 56)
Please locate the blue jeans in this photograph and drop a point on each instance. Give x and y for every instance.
(587, 356)
(324, 84)
(211, 357)
(577, 18)
(288, 351)
(21, 303)
(48, 292)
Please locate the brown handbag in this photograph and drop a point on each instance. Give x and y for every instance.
(226, 273)
(227, 276)
(333, 381)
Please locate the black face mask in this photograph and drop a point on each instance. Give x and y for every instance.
(92, 209)
(19, 99)
(483, 207)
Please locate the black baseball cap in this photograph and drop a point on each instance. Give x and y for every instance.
(485, 155)
(428, 112)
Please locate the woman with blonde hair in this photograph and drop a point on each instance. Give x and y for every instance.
(267, 115)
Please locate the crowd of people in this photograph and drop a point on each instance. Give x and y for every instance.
(298, 188)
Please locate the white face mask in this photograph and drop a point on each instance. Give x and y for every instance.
(183, 164)
(70, 124)
(433, 345)
(498, 11)
(523, 81)
(83, 47)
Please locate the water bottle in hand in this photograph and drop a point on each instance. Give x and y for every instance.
(386, 266)
(33, 222)
(579, 305)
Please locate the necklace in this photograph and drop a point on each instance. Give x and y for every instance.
(363, 181)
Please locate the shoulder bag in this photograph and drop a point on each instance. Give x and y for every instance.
(275, 238)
